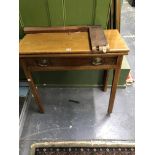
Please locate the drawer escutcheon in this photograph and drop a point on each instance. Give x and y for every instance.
(43, 62)
(97, 61)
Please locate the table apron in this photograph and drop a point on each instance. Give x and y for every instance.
(70, 63)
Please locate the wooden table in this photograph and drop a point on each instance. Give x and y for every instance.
(51, 49)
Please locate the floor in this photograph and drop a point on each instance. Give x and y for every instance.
(80, 113)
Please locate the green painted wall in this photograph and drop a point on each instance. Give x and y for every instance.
(102, 12)
(55, 11)
(64, 13)
(34, 12)
(79, 12)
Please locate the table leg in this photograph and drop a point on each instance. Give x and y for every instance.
(114, 84)
(105, 79)
(32, 86)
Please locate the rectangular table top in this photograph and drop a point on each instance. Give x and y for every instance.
(73, 42)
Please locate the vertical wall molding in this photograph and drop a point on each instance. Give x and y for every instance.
(118, 14)
(94, 12)
(21, 20)
(48, 12)
(109, 13)
(115, 14)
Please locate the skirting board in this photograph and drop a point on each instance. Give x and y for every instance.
(76, 86)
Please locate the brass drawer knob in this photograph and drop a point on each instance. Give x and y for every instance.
(97, 61)
(43, 63)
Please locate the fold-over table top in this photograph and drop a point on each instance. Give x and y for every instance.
(73, 42)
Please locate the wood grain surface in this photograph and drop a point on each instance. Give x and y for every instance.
(74, 42)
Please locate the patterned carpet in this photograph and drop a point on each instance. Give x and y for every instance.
(85, 151)
(83, 148)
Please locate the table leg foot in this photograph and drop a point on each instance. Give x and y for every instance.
(42, 111)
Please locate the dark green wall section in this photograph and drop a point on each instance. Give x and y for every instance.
(77, 78)
(69, 77)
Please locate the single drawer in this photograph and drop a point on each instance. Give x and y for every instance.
(70, 61)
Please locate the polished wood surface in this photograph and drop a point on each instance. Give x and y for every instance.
(116, 42)
(74, 42)
(55, 43)
(33, 30)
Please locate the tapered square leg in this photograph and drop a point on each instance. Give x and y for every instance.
(32, 86)
(116, 76)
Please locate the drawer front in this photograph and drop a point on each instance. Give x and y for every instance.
(72, 61)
